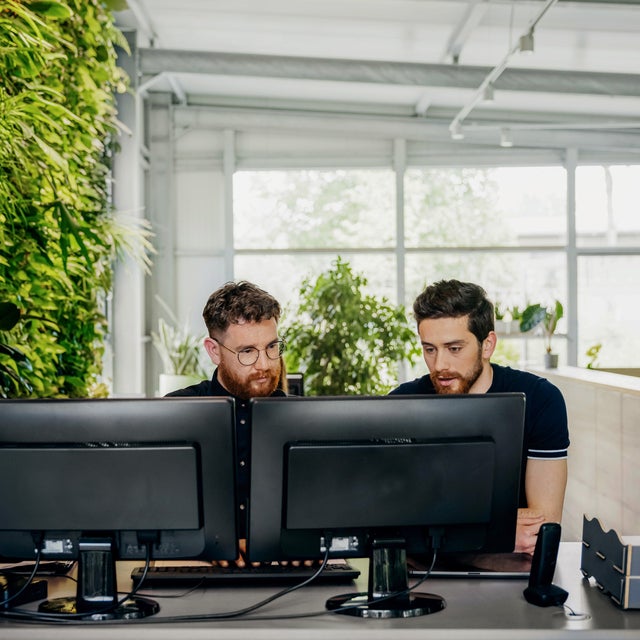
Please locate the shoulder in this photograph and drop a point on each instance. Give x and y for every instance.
(508, 379)
(546, 426)
(415, 387)
(203, 388)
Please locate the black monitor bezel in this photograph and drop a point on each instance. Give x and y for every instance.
(278, 421)
(206, 424)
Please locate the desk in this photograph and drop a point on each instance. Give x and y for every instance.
(478, 609)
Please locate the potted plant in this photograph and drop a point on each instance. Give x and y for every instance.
(344, 341)
(547, 317)
(507, 319)
(180, 352)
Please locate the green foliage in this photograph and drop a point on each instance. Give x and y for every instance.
(536, 314)
(507, 313)
(592, 353)
(179, 349)
(57, 121)
(345, 341)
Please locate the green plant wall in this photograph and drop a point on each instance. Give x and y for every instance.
(58, 79)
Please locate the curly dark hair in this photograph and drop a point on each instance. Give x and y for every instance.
(454, 299)
(236, 302)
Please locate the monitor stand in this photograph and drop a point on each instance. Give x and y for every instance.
(387, 576)
(97, 593)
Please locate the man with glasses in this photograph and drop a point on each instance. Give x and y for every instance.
(456, 327)
(242, 321)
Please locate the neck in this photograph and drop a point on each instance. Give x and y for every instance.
(484, 381)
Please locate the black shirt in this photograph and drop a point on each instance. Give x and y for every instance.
(546, 432)
(242, 438)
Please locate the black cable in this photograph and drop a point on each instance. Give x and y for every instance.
(31, 616)
(28, 581)
(36, 617)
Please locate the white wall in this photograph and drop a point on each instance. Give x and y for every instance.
(604, 455)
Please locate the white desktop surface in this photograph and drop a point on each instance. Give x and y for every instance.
(479, 609)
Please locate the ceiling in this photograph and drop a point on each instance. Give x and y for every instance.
(412, 63)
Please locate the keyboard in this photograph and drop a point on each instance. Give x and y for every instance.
(262, 575)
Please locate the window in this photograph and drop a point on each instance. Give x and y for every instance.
(504, 228)
(607, 206)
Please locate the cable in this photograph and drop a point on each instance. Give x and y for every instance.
(30, 616)
(28, 581)
(80, 619)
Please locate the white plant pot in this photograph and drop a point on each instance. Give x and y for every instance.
(168, 382)
(551, 360)
(504, 327)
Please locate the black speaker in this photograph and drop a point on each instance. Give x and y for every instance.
(540, 590)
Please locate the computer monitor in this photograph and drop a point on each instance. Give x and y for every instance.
(99, 480)
(381, 477)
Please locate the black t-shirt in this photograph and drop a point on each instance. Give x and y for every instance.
(546, 432)
(243, 438)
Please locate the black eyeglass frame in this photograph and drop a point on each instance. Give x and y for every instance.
(254, 350)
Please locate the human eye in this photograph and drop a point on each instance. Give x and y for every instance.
(455, 348)
(428, 349)
(248, 351)
(273, 349)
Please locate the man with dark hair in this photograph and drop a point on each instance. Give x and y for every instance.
(456, 327)
(242, 321)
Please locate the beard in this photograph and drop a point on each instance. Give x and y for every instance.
(463, 382)
(256, 385)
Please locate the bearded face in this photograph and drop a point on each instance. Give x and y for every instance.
(449, 382)
(246, 381)
(457, 361)
(253, 383)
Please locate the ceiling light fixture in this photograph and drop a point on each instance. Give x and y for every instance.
(495, 73)
(526, 42)
(506, 138)
(456, 131)
(487, 94)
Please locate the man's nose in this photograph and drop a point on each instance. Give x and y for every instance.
(441, 361)
(263, 361)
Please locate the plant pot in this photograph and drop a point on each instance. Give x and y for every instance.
(171, 382)
(551, 360)
(504, 327)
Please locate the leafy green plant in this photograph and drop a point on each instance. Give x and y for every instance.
(592, 353)
(345, 341)
(507, 313)
(536, 314)
(58, 234)
(179, 350)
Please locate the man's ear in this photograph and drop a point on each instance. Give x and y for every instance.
(213, 350)
(489, 345)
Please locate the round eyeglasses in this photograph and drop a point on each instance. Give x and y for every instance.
(250, 355)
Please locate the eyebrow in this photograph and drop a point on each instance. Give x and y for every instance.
(451, 343)
(253, 346)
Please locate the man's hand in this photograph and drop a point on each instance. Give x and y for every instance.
(529, 522)
(241, 560)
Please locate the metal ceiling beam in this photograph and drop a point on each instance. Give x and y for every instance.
(461, 32)
(410, 128)
(154, 61)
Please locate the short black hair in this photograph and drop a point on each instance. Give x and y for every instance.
(454, 299)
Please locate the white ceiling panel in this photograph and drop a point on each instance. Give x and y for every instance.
(408, 58)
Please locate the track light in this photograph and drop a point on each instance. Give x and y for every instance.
(526, 42)
(456, 131)
(487, 94)
(506, 138)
